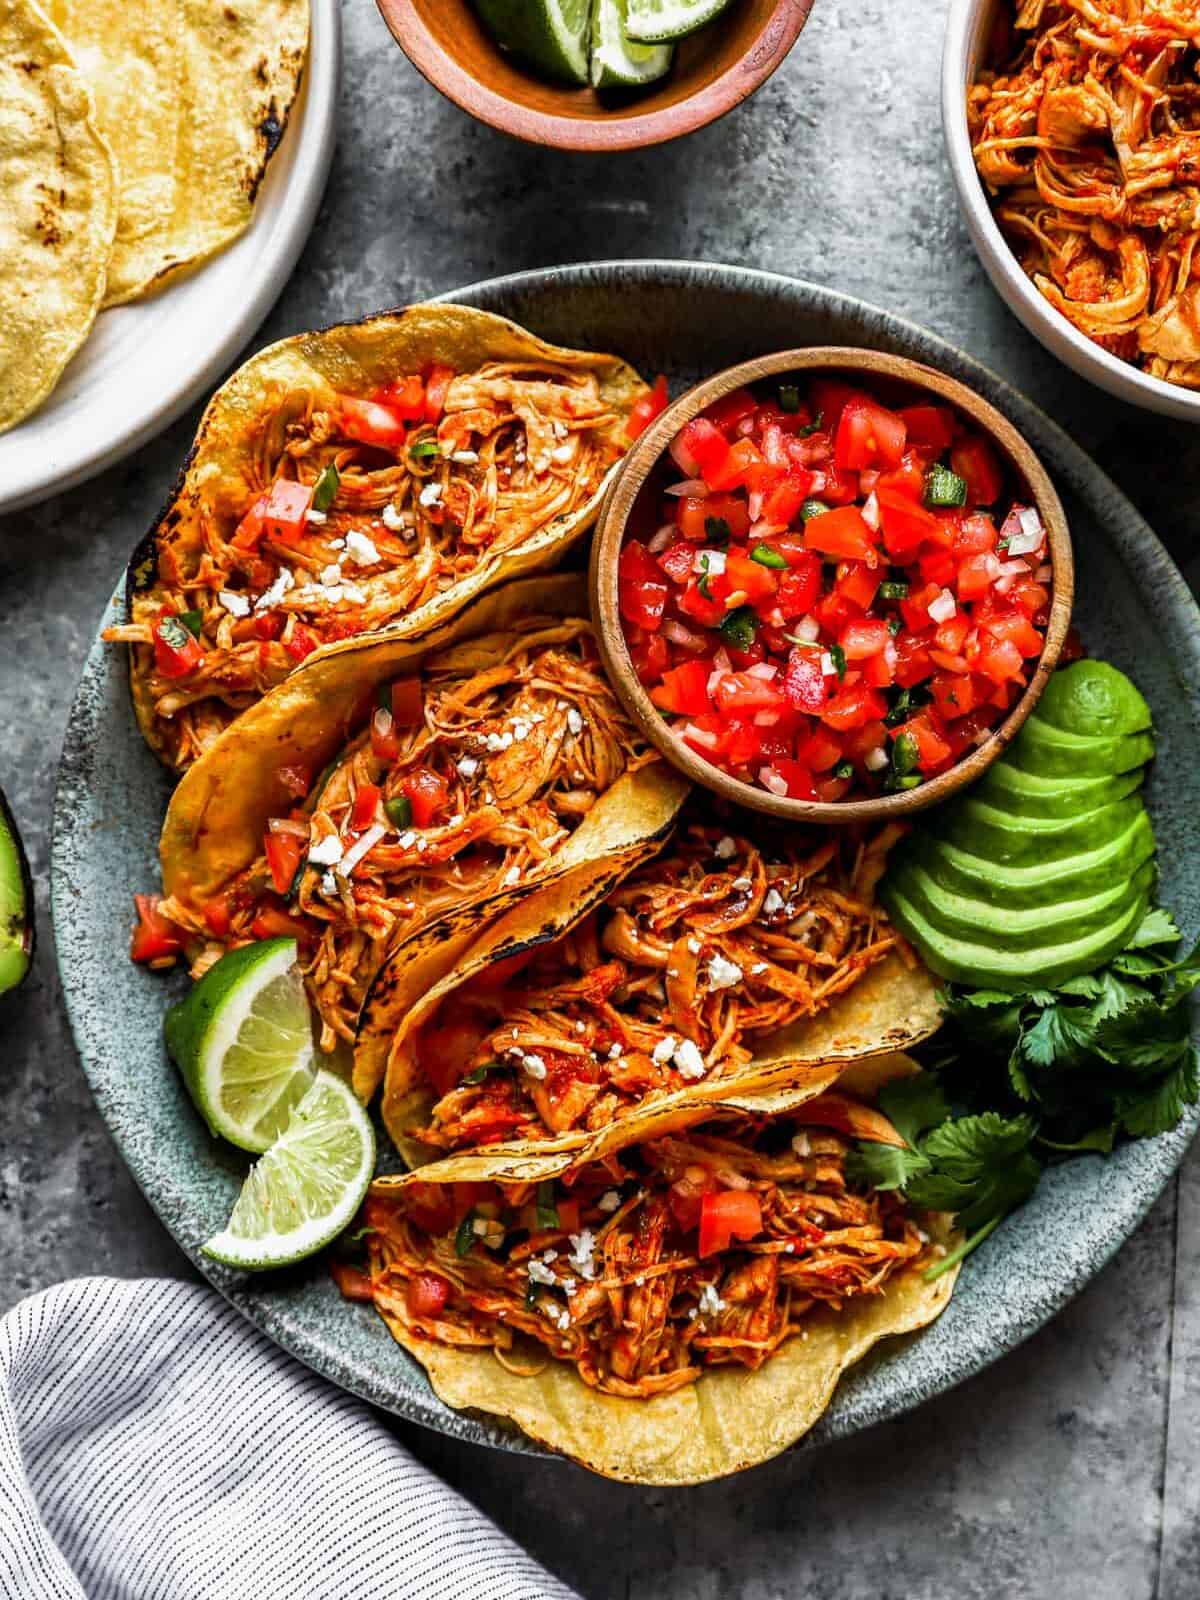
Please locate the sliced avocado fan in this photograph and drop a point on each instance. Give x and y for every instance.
(16, 904)
(1044, 869)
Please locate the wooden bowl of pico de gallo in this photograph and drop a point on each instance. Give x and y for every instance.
(830, 584)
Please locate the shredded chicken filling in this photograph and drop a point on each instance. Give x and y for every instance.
(1089, 139)
(520, 752)
(697, 955)
(516, 448)
(624, 1296)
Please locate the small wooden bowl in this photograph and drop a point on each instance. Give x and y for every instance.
(713, 71)
(889, 373)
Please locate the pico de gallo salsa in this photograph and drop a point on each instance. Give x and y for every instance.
(842, 596)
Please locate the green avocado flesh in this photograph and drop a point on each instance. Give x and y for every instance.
(1045, 868)
(16, 904)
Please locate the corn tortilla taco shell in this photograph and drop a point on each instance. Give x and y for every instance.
(194, 99)
(57, 209)
(229, 465)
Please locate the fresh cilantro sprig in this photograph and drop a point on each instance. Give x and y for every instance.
(1025, 1079)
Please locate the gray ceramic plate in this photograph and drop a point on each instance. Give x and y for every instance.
(686, 320)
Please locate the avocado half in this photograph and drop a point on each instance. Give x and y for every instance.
(16, 903)
(1045, 868)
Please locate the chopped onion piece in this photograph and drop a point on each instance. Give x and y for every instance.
(762, 529)
(1044, 573)
(715, 677)
(772, 780)
(1023, 531)
(662, 538)
(827, 666)
(721, 660)
(746, 427)
(867, 481)
(700, 736)
(763, 670)
(693, 488)
(360, 847)
(754, 504)
(682, 456)
(875, 760)
(808, 629)
(766, 719)
(678, 634)
(870, 512)
(943, 608)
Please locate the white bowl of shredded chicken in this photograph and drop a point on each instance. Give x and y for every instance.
(1073, 132)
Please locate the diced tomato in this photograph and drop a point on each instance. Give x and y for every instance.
(906, 525)
(1000, 661)
(385, 741)
(684, 690)
(731, 409)
(366, 803)
(929, 427)
(974, 578)
(799, 780)
(913, 661)
(741, 691)
(726, 1215)
(650, 654)
(650, 405)
(642, 587)
(951, 634)
(251, 528)
(842, 533)
(677, 561)
(218, 915)
(868, 435)
(938, 567)
(296, 779)
(1030, 597)
(800, 587)
(907, 479)
(701, 443)
(372, 423)
(283, 852)
(804, 683)
(858, 583)
(176, 649)
(974, 460)
(953, 694)
(745, 577)
(841, 488)
(782, 504)
(863, 639)
(405, 396)
(287, 510)
(932, 749)
(742, 745)
(739, 461)
(851, 707)
(437, 385)
(155, 937)
(1017, 628)
(975, 535)
(352, 1282)
(871, 736)
(301, 642)
(445, 1050)
(268, 624)
(829, 398)
(427, 1294)
(273, 922)
(427, 794)
(408, 702)
(820, 750)
(709, 613)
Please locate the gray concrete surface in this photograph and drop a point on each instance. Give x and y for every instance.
(1068, 1469)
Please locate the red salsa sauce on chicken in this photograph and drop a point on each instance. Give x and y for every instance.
(841, 596)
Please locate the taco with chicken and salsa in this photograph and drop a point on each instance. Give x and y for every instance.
(378, 474)
(394, 794)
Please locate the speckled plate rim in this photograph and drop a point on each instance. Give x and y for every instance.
(1009, 1291)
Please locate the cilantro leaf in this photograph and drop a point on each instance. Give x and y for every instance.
(982, 1167)
(1159, 1106)
(1156, 927)
(914, 1104)
(884, 1166)
(1144, 1038)
(1100, 1139)
(1059, 1038)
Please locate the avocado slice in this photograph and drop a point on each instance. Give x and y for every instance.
(1090, 697)
(1012, 788)
(16, 903)
(1010, 839)
(1003, 928)
(1051, 752)
(1043, 883)
(984, 966)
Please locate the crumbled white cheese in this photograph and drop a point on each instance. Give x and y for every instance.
(801, 1145)
(664, 1050)
(465, 458)
(614, 1052)
(236, 604)
(772, 902)
(541, 1274)
(521, 729)
(694, 947)
(331, 574)
(328, 884)
(513, 875)
(315, 517)
(689, 1061)
(272, 596)
(360, 549)
(560, 429)
(725, 849)
(743, 883)
(467, 766)
(533, 1064)
(574, 721)
(561, 454)
(326, 852)
(582, 1245)
(407, 839)
(499, 741)
(392, 519)
(723, 974)
(759, 966)
(430, 495)
(922, 1235)
(609, 1202)
(559, 1315)
(827, 666)
(711, 1304)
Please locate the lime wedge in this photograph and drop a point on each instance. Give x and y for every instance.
(550, 35)
(299, 1196)
(243, 1041)
(617, 63)
(658, 21)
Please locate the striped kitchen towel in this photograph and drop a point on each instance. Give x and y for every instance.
(155, 1446)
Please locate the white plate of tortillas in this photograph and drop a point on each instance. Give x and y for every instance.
(161, 165)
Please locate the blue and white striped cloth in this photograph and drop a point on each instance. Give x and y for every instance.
(154, 1446)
